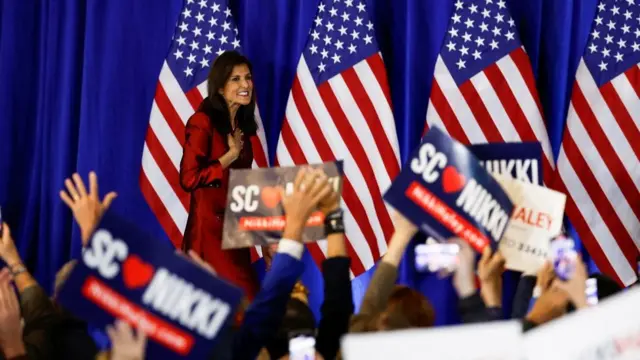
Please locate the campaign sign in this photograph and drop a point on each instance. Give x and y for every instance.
(123, 273)
(536, 219)
(445, 191)
(522, 160)
(496, 340)
(254, 214)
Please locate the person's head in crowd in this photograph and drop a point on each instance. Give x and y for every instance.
(298, 320)
(390, 320)
(230, 90)
(415, 306)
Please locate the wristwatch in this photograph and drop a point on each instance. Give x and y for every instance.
(333, 223)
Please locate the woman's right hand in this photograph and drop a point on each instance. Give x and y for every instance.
(87, 208)
(235, 143)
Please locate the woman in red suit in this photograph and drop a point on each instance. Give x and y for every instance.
(217, 139)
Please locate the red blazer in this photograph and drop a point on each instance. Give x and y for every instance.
(202, 175)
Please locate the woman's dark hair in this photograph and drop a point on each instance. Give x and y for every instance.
(215, 104)
(415, 306)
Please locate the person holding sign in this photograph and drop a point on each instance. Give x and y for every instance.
(217, 138)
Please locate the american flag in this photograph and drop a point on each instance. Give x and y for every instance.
(204, 30)
(598, 161)
(339, 107)
(483, 88)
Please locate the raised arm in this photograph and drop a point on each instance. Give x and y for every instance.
(264, 315)
(383, 281)
(337, 306)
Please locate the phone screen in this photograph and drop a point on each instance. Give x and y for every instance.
(302, 348)
(592, 291)
(564, 257)
(437, 257)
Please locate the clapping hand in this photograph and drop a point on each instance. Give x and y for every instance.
(310, 187)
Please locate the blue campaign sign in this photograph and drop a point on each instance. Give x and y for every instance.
(123, 273)
(445, 191)
(523, 161)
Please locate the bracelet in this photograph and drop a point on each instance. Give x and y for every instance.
(20, 269)
(333, 223)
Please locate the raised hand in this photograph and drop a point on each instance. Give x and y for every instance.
(235, 142)
(575, 287)
(464, 276)
(490, 269)
(8, 251)
(331, 202)
(87, 208)
(124, 344)
(310, 187)
(404, 231)
(403, 225)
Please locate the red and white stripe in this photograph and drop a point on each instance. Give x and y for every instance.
(499, 104)
(599, 169)
(160, 179)
(347, 118)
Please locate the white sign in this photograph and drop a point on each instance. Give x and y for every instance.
(609, 331)
(536, 219)
(498, 340)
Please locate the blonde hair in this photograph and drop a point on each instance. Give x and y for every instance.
(264, 355)
(300, 292)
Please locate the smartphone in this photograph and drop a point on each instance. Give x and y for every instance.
(563, 256)
(592, 291)
(437, 257)
(302, 348)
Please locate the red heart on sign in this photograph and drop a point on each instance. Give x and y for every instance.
(136, 273)
(452, 180)
(270, 197)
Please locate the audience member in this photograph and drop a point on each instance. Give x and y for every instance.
(33, 326)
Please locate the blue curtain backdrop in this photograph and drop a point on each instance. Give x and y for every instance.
(77, 79)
